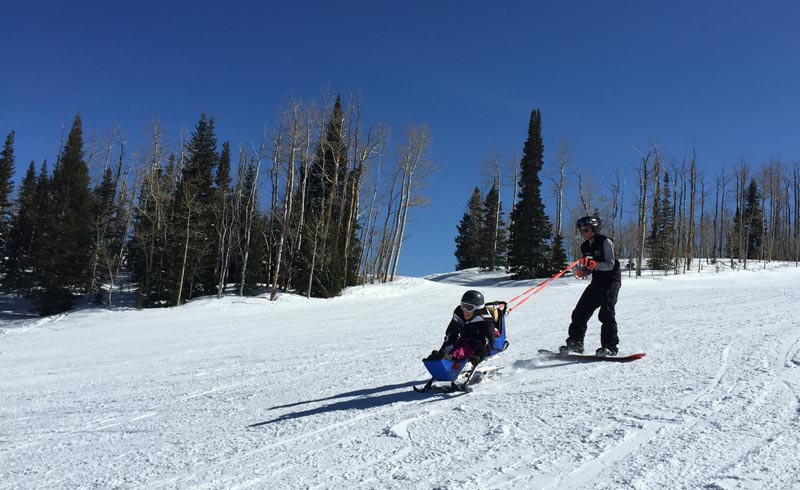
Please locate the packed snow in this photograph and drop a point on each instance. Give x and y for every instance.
(299, 393)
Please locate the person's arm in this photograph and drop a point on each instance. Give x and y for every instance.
(488, 333)
(451, 334)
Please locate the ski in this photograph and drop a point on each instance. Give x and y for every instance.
(424, 388)
(591, 358)
(454, 387)
(462, 383)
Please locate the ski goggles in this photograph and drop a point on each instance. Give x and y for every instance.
(586, 229)
(470, 307)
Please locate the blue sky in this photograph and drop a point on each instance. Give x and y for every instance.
(608, 77)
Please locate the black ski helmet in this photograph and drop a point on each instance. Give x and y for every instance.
(588, 221)
(473, 297)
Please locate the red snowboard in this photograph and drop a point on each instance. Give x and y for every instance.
(589, 358)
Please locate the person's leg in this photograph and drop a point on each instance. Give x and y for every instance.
(580, 318)
(608, 318)
(462, 349)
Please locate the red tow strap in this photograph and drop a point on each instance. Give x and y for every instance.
(535, 289)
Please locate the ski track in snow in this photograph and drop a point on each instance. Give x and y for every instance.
(244, 393)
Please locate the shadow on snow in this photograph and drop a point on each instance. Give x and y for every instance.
(364, 401)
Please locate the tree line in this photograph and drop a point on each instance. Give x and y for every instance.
(676, 219)
(175, 224)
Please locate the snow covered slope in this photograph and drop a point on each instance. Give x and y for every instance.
(244, 393)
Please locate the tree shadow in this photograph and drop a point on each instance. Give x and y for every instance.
(363, 401)
(460, 279)
(13, 308)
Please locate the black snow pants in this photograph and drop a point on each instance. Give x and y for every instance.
(603, 296)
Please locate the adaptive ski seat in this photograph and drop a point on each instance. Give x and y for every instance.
(498, 311)
(448, 369)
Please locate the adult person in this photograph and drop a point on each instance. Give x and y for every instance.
(599, 261)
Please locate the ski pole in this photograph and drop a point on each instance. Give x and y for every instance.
(535, 289)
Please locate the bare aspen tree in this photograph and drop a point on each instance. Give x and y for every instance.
(126, 203)
(768, 199)
(224, 224)
(784, 238)
(390, 231)
(796, 213)
(226, 240)
(339, 159)
(104, 214)
(314, 224)
(364, 144)
(415, 166)
(296, 134)
(248, 201)
(720, 220)
(656, 179)
(715, 222)
(105, 246)
(123, 207)
(617, 204)
(689, 252)
(563, 160)
(644, 183)
(191, 205)
(312, 118)
(241, 221)
(513, 170)
(679, 197)
(274, 228)
(493, 169)
(274, 173)
(586, 195)
(679, 215)
(367, 269)
(153, 215)
(773, 205)
(113, 225)
(704, 241)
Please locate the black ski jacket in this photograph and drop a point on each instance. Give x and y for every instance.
(601, 249)
(480, 328)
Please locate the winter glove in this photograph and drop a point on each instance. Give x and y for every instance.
(588, 263)
(581, 272)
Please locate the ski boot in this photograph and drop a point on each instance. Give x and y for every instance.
(572, 346)
(606, 351)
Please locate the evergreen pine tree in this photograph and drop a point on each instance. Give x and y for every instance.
(103, 232)
(41, 245)
(327, 259)
(468, 241)
(559, 257)
(529, 252)
(754, 221)
(70, 241)
(193, 219)
(256, 272)
(21, 235)
(6, 188)
(662, 234)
